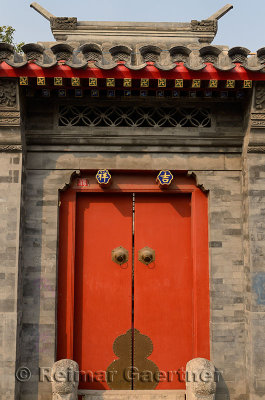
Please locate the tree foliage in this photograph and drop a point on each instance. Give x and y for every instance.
(7, 36)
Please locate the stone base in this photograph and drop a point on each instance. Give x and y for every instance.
(132, 394)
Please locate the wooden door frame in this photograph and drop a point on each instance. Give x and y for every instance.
(124, 182)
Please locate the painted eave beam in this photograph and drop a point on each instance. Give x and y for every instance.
(151, 72)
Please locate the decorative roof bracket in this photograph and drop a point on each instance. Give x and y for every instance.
(42, 11)
(220, 13)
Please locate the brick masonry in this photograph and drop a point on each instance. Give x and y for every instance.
(226, 260)
(254, 249)
(10, 235)
(10, 189)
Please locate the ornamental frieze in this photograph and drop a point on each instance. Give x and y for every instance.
(204, 26)
(8, 94)
(260, 97)
(10, 147)
(63, 23)
(257, 116)
(258, 124)
(256, 149)
(9, 118)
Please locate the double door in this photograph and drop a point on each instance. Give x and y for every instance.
(135, 324)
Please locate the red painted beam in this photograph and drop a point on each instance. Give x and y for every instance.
(32, 70)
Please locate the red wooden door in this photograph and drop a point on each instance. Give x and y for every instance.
(102, 288)
(145, 316)
(163, 306)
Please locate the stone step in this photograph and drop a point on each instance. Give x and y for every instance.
(132, 394)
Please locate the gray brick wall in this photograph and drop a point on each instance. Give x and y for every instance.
(10, 191)
(226, 260)
(227, 281)
(255, 268)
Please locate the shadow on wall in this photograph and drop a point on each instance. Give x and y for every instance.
(222, 392)
(39, 247)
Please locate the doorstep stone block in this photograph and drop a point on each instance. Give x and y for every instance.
(132, 394)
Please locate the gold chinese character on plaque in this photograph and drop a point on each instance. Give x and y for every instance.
(127, 82)
(144, 82)
(162, 83)
(164, 178)
(196, 83)
(75, 81)
(58, 81)
(213, 83)
(41, 81)
(23, 80)
(93, 82)
(103, 177)
(230, 84)
(110, 82)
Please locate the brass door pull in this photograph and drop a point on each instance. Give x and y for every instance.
(146, 255)
(120, 255)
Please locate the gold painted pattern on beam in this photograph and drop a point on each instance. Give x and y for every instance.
(247, 84)
(58, 81)
(213, 83)
(110, 82)
(179, 83)
(23, 80)
(93, 82)
(127, 82)
(162, 83)
(75, 81)
(196, 83)
(230, 84)
(41, 81)
(145, 82)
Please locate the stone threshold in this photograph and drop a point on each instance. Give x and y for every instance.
(132, 394)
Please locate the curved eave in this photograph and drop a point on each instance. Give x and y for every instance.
(121, 71)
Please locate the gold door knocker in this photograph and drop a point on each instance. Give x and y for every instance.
(146, 255)
(120, 255)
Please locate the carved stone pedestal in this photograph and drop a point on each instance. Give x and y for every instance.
(65, 380)
(200, 380)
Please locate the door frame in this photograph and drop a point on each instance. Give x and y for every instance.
(143, 182)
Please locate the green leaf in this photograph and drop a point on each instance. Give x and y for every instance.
(7, 36)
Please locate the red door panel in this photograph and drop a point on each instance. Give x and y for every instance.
(65, 310)
(102, 288)
(163, 305)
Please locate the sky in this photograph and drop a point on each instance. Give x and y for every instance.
(242, 26)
